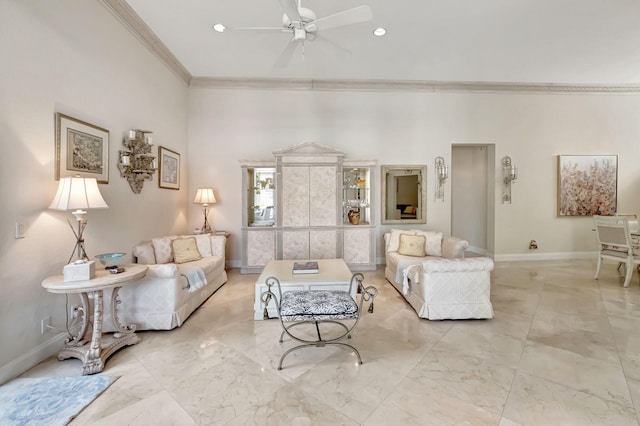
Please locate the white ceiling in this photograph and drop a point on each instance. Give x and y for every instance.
(506, 41)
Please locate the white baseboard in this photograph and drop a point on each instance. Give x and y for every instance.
(533, 256)
(546, 256)
(32, 358)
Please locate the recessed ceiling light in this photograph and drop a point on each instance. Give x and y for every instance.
(219, 28)
(379, 32)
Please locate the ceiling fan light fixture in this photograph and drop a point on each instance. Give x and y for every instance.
(219, 28)
(379, 32)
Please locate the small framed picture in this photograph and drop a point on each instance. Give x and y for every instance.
(169, 176)
(81, 149)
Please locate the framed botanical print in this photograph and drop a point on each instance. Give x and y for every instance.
(587, 185)
(169, 176)
(81, 149)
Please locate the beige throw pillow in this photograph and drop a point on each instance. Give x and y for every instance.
(185, 250)
(203, 241)
(412, 245)
(394, 238)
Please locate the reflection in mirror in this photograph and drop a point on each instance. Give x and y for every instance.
(404, 194)
(261, 196)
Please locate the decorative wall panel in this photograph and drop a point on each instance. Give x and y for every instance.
(295, 196)
(322, 184)
(260, 247)
(322, 244)
(357, 245)
(295, 245)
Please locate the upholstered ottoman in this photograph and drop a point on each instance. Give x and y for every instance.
(451, 288)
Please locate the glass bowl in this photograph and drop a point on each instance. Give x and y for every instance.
(110, 259)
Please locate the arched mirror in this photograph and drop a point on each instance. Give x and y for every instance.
(404, 194)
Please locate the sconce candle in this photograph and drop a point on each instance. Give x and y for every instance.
(154, 164)
(124, 160)
(148, 139)
(132, 134)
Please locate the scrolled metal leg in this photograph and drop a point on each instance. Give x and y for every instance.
(123, 329)
(79, 339)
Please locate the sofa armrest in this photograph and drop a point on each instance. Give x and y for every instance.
(165, 270)
(471, 264)
(218, 244)
(453, 247)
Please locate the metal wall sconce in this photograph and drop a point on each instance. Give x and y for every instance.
(137, 164)
(509, 174)
(442, 173)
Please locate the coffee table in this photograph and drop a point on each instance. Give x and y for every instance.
(333, 274)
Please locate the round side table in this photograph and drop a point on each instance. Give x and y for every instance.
(94, 353)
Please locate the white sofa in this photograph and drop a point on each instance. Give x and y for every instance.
(441, 284)
(169, 292)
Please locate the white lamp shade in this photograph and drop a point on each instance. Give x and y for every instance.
(204, 196)
(76, 193)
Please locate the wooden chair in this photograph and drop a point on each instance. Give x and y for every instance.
(318, 307)
(614, 243)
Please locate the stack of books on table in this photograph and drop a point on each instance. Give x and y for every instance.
(305, 267)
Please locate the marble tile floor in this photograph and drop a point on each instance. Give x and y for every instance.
(563, 349)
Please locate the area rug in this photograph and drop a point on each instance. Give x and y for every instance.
(50, 401)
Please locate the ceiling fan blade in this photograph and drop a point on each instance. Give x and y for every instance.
(286, 55)
(266, 29)
(290, 7)
(346, 17)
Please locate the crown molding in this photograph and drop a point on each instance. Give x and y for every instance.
(137, 26)
(141, 30)
(407, 86)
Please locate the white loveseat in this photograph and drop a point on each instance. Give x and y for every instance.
(170, 291)
(438, 282)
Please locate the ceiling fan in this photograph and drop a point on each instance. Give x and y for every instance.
(304, 25)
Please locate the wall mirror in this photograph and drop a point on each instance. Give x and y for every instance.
(404, 194)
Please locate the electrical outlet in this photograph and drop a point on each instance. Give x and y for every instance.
(20, 230)
(74, 311)
(45, 324)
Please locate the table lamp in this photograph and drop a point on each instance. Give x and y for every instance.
(77, 193)
(205, 197)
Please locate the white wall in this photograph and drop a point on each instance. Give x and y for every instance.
(73, 57)
(227, 125)
(468, 195)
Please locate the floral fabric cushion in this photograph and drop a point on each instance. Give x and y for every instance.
(433, 243)
(162, 248)
(185, 250)
(412, 245)
(317, 305)
(144, 254)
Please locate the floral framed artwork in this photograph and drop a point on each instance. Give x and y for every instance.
(81, 149)
(169, 176)
(587, 185)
